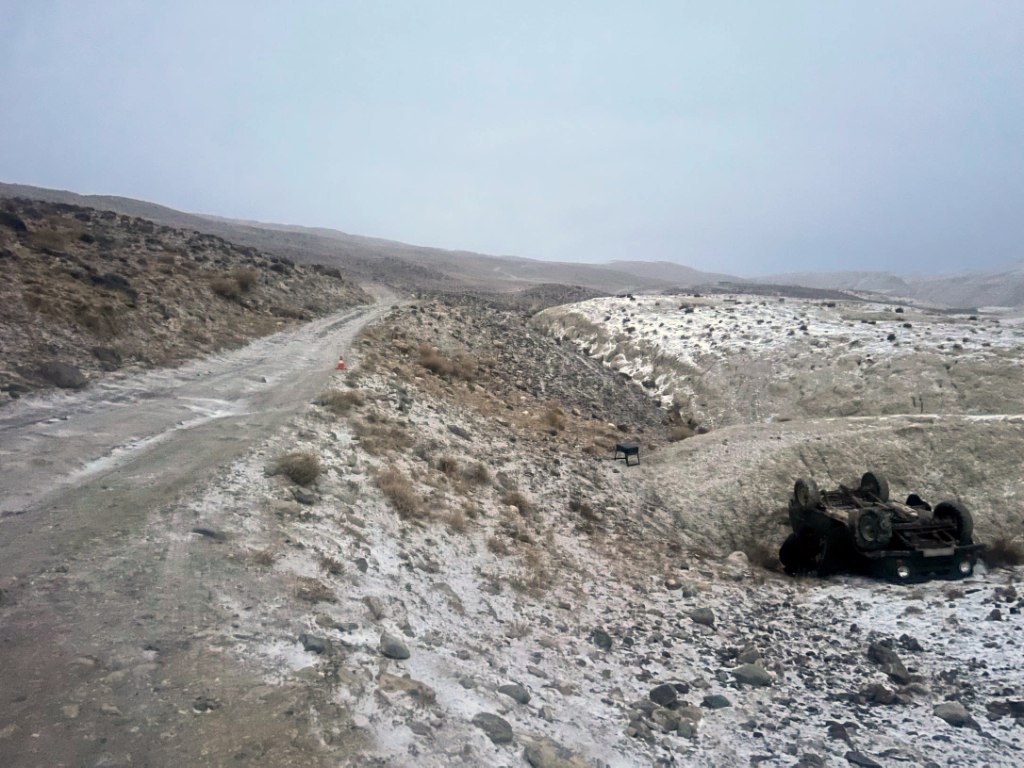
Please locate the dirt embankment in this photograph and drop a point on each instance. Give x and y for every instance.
(87, 292)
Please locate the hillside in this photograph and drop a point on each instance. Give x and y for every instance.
(408, 267)
(88, 291)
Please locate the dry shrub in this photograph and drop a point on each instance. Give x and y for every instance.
(477, 474)
(457, 521)
(245, 278)
(679, 432)
(448, 465)
(302, 467)
(332, 565)
(1003, 552)
(49, 240)
(517, 500)
(378, 435)
(340, 402)
(314, 591)
(459, 366)
(554, 418)
(399, 491)
(226, 287)
(264, 557)
(497, 546)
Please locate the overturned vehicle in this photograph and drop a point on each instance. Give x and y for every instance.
(860, 530)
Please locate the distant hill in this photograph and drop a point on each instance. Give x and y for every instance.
(415, 267)
(410, 267)
(670, 272)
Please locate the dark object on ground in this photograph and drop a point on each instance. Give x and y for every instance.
(860, 530)
(627, 450)
(62, 375)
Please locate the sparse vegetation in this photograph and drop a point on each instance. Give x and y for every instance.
(301, 467)
(518, 500)
(314, 591)
(245, 278)
(340, 402)
(332, 565)
(459, 366)
(226, 288)
(264, 557)
(448, 465)
(1003, 552)
(399, 491)
(554, 418)
(477, 474)
(378, 435)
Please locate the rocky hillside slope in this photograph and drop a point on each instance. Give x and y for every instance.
(443, 557)
(87, 292)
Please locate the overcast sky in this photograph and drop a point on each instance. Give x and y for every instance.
(747, 137)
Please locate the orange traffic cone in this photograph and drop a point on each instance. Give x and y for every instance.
(341, 363)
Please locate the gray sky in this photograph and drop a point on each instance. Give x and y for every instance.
(740, 137)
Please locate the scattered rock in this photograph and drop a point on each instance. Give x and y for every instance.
(392, 647)
(664, 695)
(210, 533)
(62, 375)
(303, 496)
(890, 663)
(954, 713)
(516, 692)
(752, 674)
(703, 616)
(716, 701)
(601, 639)
(546, 753)
(496, 728)
(862, 760)
(314, 644)
(376, 606)
(203, 704)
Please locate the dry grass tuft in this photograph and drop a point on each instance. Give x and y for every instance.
(339, 402)
(497, 546)
(264, 557)
(459, 366)
(379, 435)
(517, 500)
(1003, 552)
(399, 491)
(679, 432)
(457, 521)
(245, 278)
(302, 467)
(448, 465)
(477, 474)
(314, 591)
(332, 565)
(554, 418)
(226, 288)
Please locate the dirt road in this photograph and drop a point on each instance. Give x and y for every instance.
(99, 663)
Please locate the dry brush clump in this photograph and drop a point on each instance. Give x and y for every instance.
(477, 474)
(379, 435)
(458, 366)
(314, 591)
(1002, 553)
(554, 418)
(518, 500)
(301, 467)
(399, 491)
(340, 402)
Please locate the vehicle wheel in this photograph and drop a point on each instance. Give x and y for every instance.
(806, 493)
(799, 553)
(871, 528)
(957, 514)
(874, 486)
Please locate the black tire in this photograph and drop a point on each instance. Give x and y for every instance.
(806, 494)
(871, 528)
(800, 553)
(874, 487)
(958, 515)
